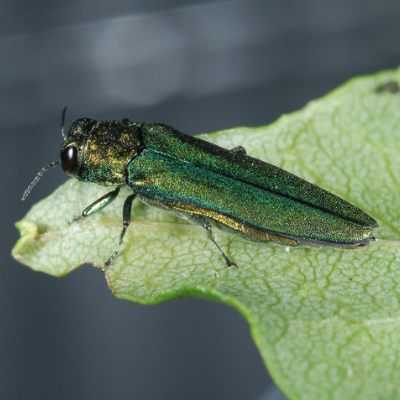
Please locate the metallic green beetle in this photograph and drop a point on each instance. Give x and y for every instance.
(207, 185)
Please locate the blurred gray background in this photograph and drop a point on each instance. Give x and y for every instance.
(200, 67)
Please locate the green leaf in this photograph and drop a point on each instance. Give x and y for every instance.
(326, 321)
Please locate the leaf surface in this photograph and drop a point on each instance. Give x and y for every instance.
(326, 320)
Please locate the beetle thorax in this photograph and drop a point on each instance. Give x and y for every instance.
(102, 153)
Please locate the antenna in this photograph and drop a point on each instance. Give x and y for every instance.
(37, 178)
(63, 122)
(47, 167)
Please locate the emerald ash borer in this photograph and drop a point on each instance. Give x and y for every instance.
(206, 185)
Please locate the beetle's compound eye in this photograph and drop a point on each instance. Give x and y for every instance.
(69, 160)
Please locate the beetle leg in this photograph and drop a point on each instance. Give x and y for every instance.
(239, 149)
(98, 205)
(207, 226)
(126, 218)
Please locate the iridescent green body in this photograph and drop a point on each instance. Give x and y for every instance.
(208, 185)
(191, 175)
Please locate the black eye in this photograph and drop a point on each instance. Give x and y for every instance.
(69, 160)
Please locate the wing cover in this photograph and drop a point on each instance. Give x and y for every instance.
(185, 149)
(179, 184)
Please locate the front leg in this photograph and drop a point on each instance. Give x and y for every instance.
(98, 205)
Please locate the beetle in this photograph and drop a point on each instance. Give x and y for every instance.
(205, 184)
